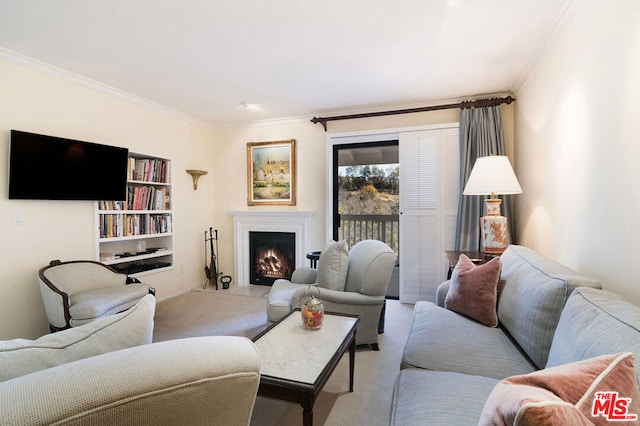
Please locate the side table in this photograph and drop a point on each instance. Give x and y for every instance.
(313, 257)
(477, 257)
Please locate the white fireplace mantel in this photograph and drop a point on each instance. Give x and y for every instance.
(245, 221)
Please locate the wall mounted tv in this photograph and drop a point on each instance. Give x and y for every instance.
(51, 168)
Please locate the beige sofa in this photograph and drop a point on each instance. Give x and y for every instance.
(543, 358)
(109, 372)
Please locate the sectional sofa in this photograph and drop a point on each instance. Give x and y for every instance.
(560, 339)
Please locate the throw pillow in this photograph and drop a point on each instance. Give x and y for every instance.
(133, 327)
(593, 391)
(473, 291)
(332, 266)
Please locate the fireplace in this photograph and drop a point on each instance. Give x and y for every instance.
(249, 221)
(271, 256)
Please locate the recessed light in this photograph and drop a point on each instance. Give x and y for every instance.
(249, 106)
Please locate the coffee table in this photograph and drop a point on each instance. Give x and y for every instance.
(296, 363)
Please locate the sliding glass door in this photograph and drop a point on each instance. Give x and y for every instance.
(366, 192)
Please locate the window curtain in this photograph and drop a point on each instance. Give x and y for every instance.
(480, 135)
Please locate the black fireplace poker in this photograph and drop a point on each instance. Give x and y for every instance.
(211, 270)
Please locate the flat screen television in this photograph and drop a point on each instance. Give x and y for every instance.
(51, 168)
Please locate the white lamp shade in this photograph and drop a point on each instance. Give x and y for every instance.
(492, 174)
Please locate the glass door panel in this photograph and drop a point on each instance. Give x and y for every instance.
(366, 192)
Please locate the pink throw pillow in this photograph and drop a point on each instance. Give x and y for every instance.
(601, 391)
(474, 290)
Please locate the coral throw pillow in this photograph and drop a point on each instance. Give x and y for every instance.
(474, 290)
(601, 391)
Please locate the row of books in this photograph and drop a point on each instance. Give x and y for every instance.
(140, 198)
(148, 170)
(125, 225)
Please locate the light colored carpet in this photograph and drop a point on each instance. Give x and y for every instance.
(199, 313)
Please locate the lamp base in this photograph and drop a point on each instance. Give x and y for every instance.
(494, 234)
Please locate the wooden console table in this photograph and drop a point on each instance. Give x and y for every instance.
(476, 257)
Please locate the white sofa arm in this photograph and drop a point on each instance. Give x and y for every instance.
(202, 380)
(441, 292)
(304, 275)
(335, 296)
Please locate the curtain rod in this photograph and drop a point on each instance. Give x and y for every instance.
(462, 105)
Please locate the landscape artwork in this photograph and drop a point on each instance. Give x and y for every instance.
(271, 173)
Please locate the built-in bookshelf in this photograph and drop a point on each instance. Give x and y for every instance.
(135, 236)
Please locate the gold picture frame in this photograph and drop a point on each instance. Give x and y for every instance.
(271, 173)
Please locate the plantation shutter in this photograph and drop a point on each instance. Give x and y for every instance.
(429, 189)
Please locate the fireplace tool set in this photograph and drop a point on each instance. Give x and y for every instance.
(211, 270)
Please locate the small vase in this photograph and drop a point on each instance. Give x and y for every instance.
(312, 311)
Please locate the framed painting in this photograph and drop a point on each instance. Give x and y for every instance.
(271, 173)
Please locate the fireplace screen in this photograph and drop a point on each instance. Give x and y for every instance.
(272, 256)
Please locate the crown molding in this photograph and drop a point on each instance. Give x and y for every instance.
(63, 74)
(559, 25)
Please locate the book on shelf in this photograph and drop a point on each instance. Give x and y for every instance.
(149, 170)
(112, 205)
(147, 198)
(126, 225)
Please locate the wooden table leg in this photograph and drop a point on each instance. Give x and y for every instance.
(352, 361)
(307, 409)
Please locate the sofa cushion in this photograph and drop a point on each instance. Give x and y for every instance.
(442, 340)
(574, 393)
(127, 329)
(438, 398)
(332, 265)
(473, 290)
(596, 322)
(102, 301)
(532, 298)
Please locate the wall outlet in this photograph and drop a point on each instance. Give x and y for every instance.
(18, 218)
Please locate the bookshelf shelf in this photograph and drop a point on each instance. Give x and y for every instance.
(135, 236)
(139, 257)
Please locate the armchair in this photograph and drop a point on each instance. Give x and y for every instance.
(108, 372)
(353, 282)
(78, 292)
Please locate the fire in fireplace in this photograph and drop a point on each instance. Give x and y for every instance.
(272, 256)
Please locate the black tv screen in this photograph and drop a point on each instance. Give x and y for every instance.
(51, 168)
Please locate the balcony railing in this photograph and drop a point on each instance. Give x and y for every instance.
(358, 227)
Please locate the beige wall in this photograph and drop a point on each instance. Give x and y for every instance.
(37, 102)
(577, 147)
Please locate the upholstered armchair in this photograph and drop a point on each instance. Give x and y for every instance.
(78, 292)
(108, 372)
(351, 282)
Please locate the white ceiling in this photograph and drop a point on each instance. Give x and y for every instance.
(289, 58)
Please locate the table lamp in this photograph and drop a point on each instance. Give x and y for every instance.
(493, 175)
